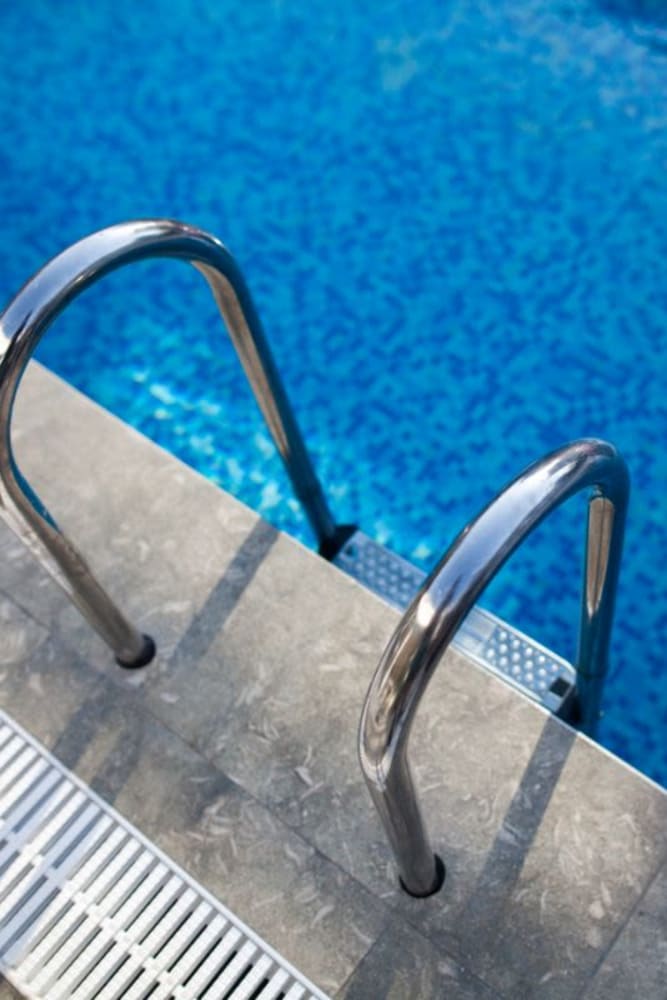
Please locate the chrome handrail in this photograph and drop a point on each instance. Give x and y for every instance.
(442, 603)
(27, 318)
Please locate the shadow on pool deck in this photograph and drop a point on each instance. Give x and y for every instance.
(235, 752)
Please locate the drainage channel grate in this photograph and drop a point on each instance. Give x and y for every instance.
(491, 642)
(91, 910)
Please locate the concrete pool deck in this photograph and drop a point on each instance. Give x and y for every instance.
(235, 750)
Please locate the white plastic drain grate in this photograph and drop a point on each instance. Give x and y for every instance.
(91, 910)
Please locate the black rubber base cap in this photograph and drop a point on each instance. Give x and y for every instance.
(145, 656)
(330, 547)
(440, 872)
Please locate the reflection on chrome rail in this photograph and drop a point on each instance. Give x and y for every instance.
(26, 319)
(442, 603)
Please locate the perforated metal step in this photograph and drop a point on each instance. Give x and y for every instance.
(488, 640)
(91, 910)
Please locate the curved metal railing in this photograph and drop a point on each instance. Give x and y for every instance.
(442, 603)
(27, 318)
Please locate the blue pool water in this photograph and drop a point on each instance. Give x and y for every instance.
(453, 218)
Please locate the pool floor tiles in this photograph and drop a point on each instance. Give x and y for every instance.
(235, 750)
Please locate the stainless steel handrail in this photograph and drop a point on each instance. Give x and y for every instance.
(27, 318)
(442, 603)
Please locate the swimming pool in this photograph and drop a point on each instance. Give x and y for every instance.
(452, 218)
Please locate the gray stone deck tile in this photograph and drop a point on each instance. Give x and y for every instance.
(158, 536)
(278, 678)
(7, 992)
(572, 856)
(538, 828)
(636, 965)
(309, 909)
(265, 657)
(20, 634)
(403, 965)
(23, 581)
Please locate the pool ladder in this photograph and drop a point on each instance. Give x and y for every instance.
(440, 608)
